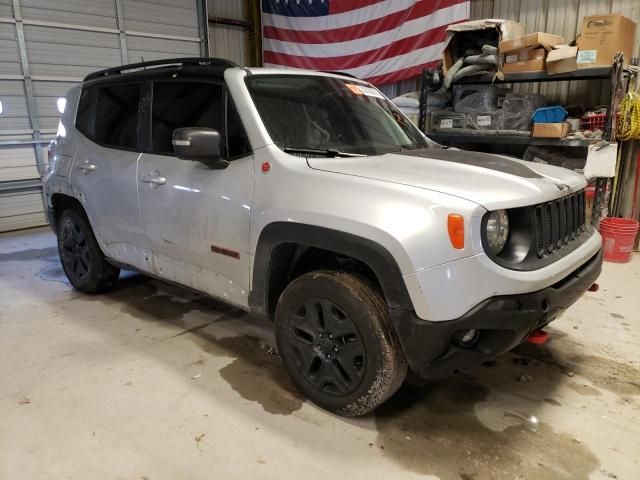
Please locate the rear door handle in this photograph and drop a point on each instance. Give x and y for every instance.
(153, 179)
(86, 166)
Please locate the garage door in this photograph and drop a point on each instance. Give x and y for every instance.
(48, 46)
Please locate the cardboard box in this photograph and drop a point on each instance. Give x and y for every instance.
(602, 37)
(525, 55)
(533, 40)
(561, 59)
(495, 30)
(551, 130)
(526, 60)
(530, 66)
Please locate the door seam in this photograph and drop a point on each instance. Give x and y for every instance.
(138, 192)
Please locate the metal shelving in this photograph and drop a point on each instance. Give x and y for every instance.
(448, 138)
(601, 73)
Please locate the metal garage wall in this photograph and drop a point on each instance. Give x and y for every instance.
(45, 48)
(228, 30)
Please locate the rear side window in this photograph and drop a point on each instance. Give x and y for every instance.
(109, 115)
(184, 104)
(85, 115)
(117, 115)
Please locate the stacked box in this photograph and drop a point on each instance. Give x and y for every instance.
(602, 37)
(527, 53)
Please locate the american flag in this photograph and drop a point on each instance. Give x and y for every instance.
(382, 41)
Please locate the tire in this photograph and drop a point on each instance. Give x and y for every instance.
(82, 260)
(337, 342)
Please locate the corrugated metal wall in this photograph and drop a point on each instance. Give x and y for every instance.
(45, 48)
(227, 40)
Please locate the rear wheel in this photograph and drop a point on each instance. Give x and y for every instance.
(82, 260)
(337, 342)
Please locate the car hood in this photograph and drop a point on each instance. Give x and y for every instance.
(492, 181)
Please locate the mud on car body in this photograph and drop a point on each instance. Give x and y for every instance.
(308, 198)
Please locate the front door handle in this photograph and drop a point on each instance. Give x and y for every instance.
(153, 179)
(86, 166)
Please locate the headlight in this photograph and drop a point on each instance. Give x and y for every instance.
(497, 230)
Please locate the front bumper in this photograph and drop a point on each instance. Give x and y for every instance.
(503, 322)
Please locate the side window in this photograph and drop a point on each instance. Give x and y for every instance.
(237, 141)
(184, 104)
(116, 122)
(86, 114)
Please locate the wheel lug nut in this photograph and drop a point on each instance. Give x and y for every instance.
(330, 335)
(321, 335)
(335, 349)
(329, 356)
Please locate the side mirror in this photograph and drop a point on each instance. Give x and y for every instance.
(199, 144)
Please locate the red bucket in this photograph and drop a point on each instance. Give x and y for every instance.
(618, 238)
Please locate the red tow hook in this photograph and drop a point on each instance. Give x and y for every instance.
(538, 337)
(594, 288)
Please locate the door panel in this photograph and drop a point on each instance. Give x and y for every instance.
(196, 220)
(106, 176)
(197, 224)
(106, 179)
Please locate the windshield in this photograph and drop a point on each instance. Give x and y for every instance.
(329, 114)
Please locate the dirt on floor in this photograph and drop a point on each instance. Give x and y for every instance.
(153, 382)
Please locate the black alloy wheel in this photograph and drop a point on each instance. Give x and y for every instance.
(327, 346)
(74, 251)
(82, 260)
(337, 342)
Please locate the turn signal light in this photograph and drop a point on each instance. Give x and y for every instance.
(455, 225)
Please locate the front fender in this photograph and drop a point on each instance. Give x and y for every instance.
(362, 249)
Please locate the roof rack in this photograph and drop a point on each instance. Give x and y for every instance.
(192, 61)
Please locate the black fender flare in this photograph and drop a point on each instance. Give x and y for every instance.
(68, 197)
(374, 255)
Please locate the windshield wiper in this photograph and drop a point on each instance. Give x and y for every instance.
(329, 152)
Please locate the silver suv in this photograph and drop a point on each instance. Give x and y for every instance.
(308, 198)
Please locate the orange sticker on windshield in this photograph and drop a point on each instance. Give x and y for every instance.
(354, 89)
(364, 90)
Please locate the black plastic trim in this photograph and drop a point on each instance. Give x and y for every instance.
(503, 322)
(362, 249)
(522, 237)
(170, 62)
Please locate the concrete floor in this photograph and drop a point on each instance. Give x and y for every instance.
(152, 382)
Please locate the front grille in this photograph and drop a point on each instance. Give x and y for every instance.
(558, 223)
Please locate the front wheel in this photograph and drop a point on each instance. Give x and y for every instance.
(337, 342)
(82, 260)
